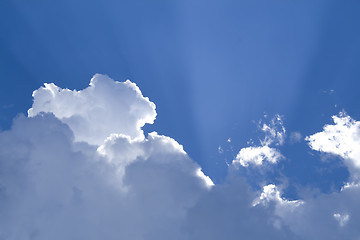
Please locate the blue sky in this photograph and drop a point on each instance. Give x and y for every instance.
(214, 69)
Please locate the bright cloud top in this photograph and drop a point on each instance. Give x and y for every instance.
(105, 107)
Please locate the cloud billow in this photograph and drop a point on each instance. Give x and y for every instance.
(80, 167)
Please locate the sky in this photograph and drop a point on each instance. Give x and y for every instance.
(179, 119)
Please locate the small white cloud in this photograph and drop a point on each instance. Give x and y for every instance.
(341, 218)
(257, 155)
(274, 134)
(342, 139)
(272, 194)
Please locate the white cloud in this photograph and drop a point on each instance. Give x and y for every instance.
(342, 139)
(94, 113)
(55, 188)
(272, 194)
(58, 181)
(207, 179)
(55, 184)
(275, 131)
(257, 155)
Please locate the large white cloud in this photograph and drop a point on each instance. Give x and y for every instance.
(80, 167)
(54, 188)
(105, 107)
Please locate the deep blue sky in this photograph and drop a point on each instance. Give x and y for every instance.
(211, 67)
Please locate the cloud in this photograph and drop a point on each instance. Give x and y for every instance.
(282, 207)
(275, 131)
(256, 155)
(342, 218)
(226, 212)
(55, 188)
(314, 216)
(94, 113)
(80, 167)
(342, 139)
(271, 193)
(326, 216)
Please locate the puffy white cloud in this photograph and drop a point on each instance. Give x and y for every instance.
(105, 107)
(321, 215)
(342, 139)
(256, 155)
(58, 181)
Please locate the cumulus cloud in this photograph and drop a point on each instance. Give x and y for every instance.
(105, 107)
(256, 155)
(55, 188)
(342, 139)
(80, 167)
